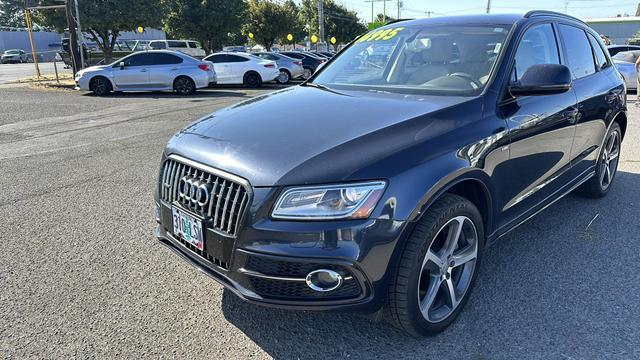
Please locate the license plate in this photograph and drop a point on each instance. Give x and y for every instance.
(188, 228)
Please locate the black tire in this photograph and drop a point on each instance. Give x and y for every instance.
(184, 85)
(100, 86)
(307, 72)
(403, 308)
(252, 80)
(597, 187)
(284, 77)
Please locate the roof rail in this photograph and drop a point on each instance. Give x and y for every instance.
(398, 20)
(534, 13)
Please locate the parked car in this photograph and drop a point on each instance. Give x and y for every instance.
(14, 56)
(625, 62)
(243, 68)
(93, 54)
(156, 70)
(615, 49)
(289, 68)
(309, 62)
(385, 199)
(188, 47)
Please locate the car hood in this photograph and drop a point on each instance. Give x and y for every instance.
(305, 135)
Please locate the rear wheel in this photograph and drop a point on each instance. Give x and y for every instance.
(606, 167)
(252, 80)
(100, 86)
(283, 77)
(437, 268)
(183, 85)
(306, 73)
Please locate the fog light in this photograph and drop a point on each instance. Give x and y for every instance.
(323, 280)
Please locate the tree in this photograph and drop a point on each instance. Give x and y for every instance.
(214, 23)
(296, 24)
(384, 19)
(104, 20)
(340, 22)
(268, 21)
(12, 13)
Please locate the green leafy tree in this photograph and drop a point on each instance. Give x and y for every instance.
(104, 20)
(12, 13)
(269, 21)
(215, 23)
(340, 22)
(297, 28)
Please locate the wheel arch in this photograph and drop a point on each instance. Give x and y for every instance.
(179, 76)
(621, 119)
(113, 85)
(248, 72)
(472, 184)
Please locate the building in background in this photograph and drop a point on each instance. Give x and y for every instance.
(618, 29)
(47, 43)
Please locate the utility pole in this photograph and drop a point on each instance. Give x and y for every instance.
(27, 18)
(321, 23)
(384, 9)
(73, 37)
(488, 6)
(399, 9)
(80, 37)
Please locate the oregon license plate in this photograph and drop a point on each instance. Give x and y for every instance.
(188, 228)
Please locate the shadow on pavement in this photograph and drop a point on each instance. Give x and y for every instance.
(549, 289)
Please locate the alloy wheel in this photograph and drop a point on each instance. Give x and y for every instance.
(447, 269)
(283, 77)
(184, 86)
(609, 159)
(306, 74)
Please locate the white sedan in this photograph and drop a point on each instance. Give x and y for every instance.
(243, 68)
(156, 70)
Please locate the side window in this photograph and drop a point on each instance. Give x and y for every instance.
(217, 59)
(601, 58)
(538, 46)
(164, 59)
(235, 58)
(158, 45)
(137, 60)
(578, 51)
(177, 44)
(194, 45)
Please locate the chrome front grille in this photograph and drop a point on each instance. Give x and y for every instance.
(219, 198)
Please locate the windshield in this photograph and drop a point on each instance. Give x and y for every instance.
(423, 59)
(12, 52)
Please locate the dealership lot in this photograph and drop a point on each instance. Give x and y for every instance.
(82, 274)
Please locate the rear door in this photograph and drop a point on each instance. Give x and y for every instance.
(541, 130)
(135, 74)
(239, 66)
(164, 69)
(222, 67)
(593, 83)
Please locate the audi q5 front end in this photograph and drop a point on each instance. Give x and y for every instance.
(419, 144)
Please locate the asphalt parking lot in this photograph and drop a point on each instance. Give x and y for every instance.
(82, 275)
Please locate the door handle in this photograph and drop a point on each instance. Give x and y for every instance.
(143, 70)
(571, 114)
(174, 69)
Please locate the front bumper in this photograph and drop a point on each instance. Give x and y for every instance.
(268, 261)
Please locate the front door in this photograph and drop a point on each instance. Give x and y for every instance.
(134, 74)
(541, 131)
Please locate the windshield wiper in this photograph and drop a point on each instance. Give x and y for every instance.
(317, 86)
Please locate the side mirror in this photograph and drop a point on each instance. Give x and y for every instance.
(121, 64)
(543, 79)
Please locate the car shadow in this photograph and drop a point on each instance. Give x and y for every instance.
(200, 94)
(548, 289)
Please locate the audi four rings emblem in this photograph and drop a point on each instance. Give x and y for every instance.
(194, 190)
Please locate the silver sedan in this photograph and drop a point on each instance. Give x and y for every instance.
(625, 62)
(289, 68)
(148, 70)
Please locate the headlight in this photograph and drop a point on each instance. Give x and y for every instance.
(342, 201)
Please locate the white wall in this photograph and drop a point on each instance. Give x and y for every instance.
(46, 43)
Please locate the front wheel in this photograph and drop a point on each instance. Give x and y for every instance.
(606, 166)
(253, 80)
(100, 86)
(437, 268)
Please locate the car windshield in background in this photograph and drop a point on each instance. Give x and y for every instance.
(424, 59)
(627, 56)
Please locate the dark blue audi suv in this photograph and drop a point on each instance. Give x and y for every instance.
(421, 143)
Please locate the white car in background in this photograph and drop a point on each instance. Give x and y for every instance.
(153, 70)
(243, 68)
(188, 47)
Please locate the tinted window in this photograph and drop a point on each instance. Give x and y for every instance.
(216, 59)
(137, 60)
(158, 45)
(194, 45)
(164, 59)
(235, 58)
(268, 56)
(177, 44)
(538, 46)
(601, 58)
(578, 51)
(294, 55)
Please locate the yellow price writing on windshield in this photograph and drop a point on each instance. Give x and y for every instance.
(384, 34)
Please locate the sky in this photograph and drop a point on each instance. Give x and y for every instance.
(584, 9)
